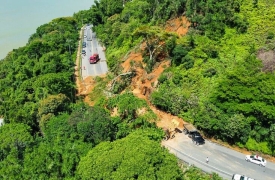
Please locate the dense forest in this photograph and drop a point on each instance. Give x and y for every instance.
(221, 73)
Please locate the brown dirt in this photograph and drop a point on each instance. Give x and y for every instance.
(268, 60)
(143, 83)
(179, 25)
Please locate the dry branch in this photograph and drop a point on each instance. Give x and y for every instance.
(114, 80)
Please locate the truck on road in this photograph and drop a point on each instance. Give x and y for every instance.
(193, 133)
(189, 129)
(94, 58)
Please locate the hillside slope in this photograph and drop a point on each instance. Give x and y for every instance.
(219, 75)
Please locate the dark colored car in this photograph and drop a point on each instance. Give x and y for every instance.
(83, 52)
(197, 138)
(84, 44)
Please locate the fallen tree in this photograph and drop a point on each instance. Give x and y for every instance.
(115, 79)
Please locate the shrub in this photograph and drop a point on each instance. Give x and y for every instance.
(188, 61)
(270, 35)
(209, 72)
(253, 145)
(162, 78)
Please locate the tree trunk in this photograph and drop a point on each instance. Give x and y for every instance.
(114, 80)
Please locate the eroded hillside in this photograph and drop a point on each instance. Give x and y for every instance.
(142, 83)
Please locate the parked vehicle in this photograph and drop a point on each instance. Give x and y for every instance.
(189, 129)
(240, 177)
(256, 159)
(83, 52)
(94, 58)
(84, 44)
(197, 138)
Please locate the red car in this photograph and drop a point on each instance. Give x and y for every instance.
(94, 59)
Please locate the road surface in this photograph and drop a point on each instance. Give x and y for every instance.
(93, 46)
(222, 160)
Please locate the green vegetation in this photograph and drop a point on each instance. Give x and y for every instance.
(221, 79)
(37, 80)
(216, 80)
(222, 85)
(138, 156)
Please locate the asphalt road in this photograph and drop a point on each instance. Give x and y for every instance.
(93, 46)
(222, 160)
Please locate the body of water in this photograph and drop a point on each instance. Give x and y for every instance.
(19, 19)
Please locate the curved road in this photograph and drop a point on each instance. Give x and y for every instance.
(92, 46)
(222, 160)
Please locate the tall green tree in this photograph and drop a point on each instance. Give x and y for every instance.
(138, 156)
(14, 140)
(96, 126)
(154, 38)
(14, 137)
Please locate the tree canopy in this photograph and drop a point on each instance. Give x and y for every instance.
(137, 156)
(221, 78)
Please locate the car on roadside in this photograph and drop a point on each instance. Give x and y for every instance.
(197, 138)
(85, 36)
(83, 52)
(256, 159)
(84, 44)
(240, 177)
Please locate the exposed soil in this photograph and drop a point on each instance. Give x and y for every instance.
(268, 60)
(143, 83)
(179, 25)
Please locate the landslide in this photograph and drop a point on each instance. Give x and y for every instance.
(143, 83)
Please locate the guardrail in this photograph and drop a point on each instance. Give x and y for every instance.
(199, 161)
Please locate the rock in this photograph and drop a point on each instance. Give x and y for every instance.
(156, 84)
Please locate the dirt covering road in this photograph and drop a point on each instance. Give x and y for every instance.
(143, 83)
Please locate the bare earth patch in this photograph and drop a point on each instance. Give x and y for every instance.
(268, 60)
(143, 83)
(179, 25)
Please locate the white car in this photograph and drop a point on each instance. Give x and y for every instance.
(240, 177)
(256, 159)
